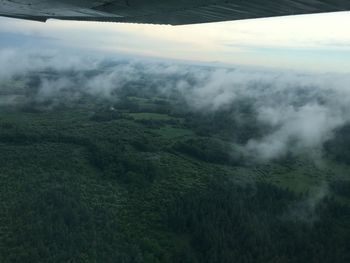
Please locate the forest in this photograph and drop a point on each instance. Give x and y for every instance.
(148, 170)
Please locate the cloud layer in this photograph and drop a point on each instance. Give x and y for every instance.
(301, 111)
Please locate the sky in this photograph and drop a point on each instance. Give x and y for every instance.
(319, 42)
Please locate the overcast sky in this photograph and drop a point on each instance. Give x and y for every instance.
(308, 42)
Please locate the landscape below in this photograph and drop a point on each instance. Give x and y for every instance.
(140, 176)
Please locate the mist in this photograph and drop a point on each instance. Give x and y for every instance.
(301, 111)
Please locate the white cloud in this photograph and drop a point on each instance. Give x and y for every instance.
(301, 111)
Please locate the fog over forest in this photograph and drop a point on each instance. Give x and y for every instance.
(142, 160)
(300, 111)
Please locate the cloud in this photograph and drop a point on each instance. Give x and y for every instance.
(20, 61)
(295, 129)
(300, 111)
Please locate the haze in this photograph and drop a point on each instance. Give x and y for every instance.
(308, 42)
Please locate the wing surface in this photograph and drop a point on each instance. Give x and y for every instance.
(174, 12)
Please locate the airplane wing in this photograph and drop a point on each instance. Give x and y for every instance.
(173, 12)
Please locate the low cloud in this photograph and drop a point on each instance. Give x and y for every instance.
(301, 111)
(295, 129)
(17, 61)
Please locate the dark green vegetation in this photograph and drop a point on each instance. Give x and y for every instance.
(140, 177)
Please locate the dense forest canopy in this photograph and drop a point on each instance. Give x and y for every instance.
(136, 161)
